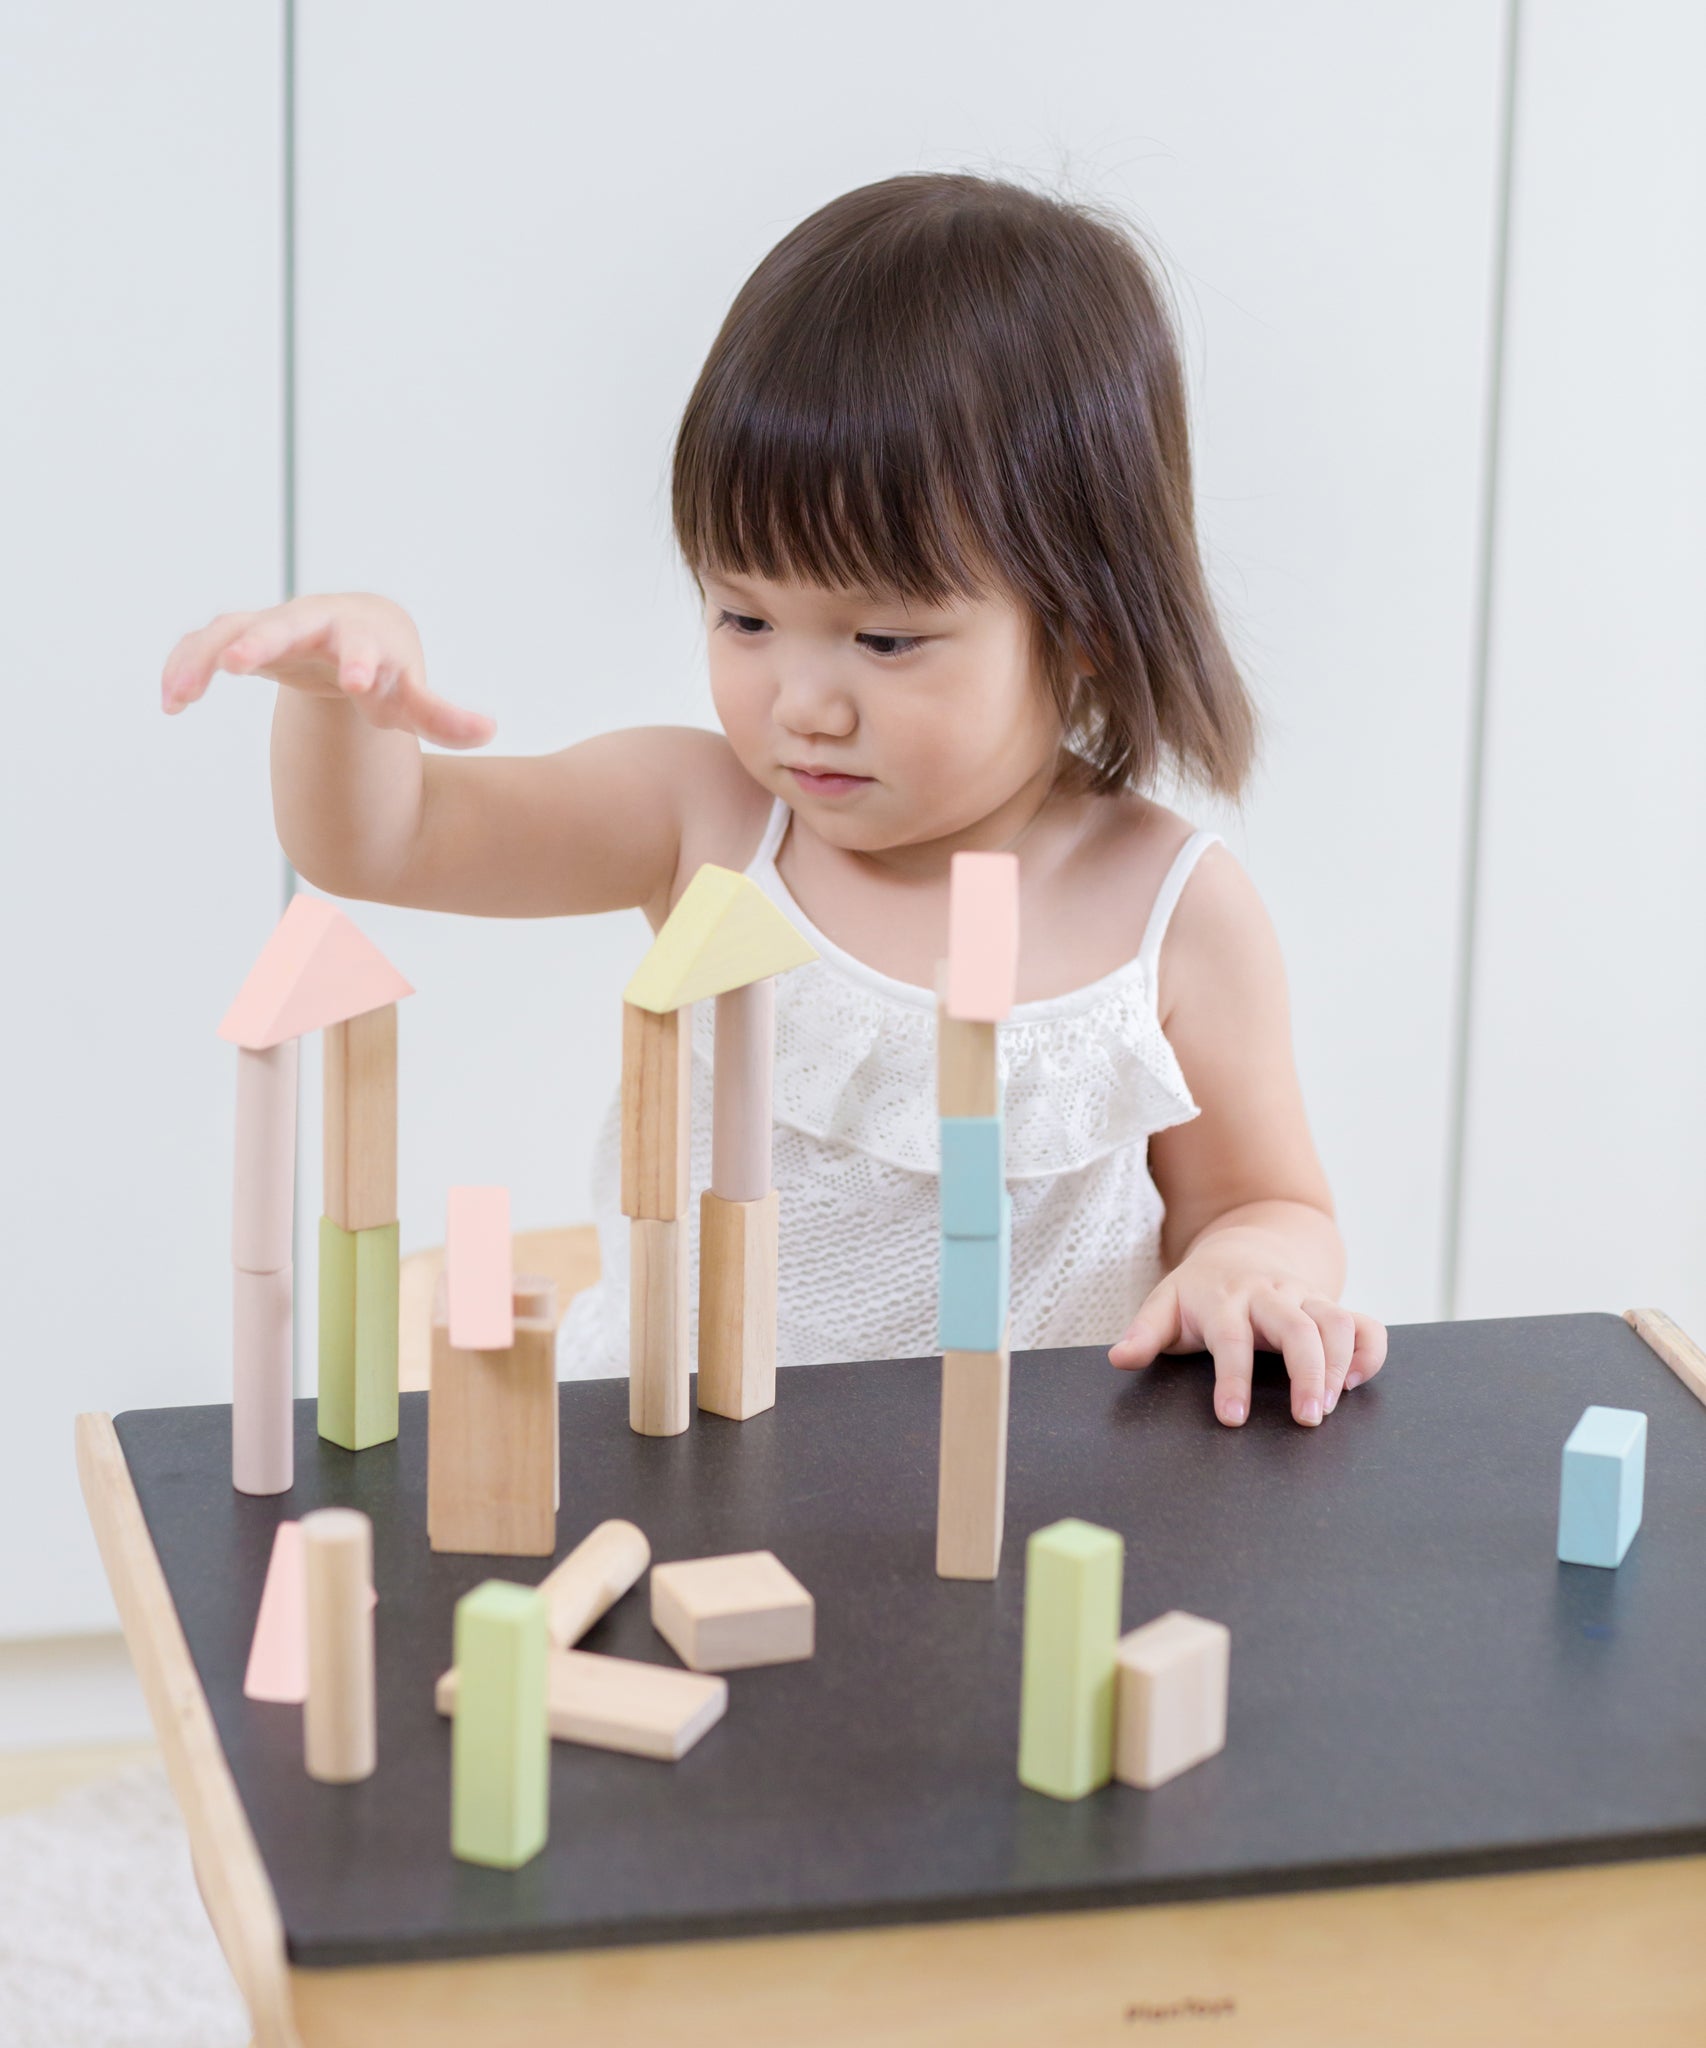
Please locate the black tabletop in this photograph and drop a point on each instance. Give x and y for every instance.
(1419, 1688)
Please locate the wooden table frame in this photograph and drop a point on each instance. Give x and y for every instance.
(1564, 1957)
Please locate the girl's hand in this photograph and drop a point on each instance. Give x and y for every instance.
(355, 645)
(1227, 1298)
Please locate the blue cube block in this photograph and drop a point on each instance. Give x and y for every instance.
(975, 1278)
(1599, 1497)
(974, 1165)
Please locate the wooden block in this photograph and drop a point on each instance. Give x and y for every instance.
(968, 1077)
(971, 1481)
(359, 1127)
(659, 1367)
(1072, 1624)
(1170, 1697)
(357, 1399)
(479, 1270)
(975, 1283)
(722, 934)
(278, 1652)
(1673, 1344)
(315, 970)
(592, 1578)
(263, 1195)
(1601, 1487)
(263, 1441)
(744, 1063)
(339, 1725)
(616, 1703)
(728, 1613)
(974, 1168)
(657, 1114)
(737, 1305)
(492, 1437)
(983, 935)
(500, 1747)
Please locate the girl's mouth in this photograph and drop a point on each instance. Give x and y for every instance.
(829, 783)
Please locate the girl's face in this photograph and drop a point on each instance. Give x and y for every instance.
(882, 723)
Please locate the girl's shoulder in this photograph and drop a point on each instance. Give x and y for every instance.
(718, 810)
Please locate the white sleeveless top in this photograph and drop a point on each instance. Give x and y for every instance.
(1088, 1078)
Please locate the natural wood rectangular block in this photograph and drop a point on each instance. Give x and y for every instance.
(656, 1111)
(357, 1402)
(359, 1129)
(659, 1366)
(492, 1436)
(971, 1483)
(617, 1703)
(500, 1747)
(339, 1716)
(968, 1081)
(263, 1194)
(741, 1088)
(1171, 1705)
(1072, 1623)
(728, 1613)
(737, 1305)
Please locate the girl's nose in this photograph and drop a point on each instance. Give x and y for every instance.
(809, 702)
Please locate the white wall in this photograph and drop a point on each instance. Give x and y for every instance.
(1587, 1121)
(519, 227)
(139, 493)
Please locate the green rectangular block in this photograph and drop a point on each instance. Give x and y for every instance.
(500, 1743)
(1072, 1630)
(358, 1335)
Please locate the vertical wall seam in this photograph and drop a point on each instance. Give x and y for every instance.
(287, 508)
(1486, 578)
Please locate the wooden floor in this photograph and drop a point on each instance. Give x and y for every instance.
(36, 1777)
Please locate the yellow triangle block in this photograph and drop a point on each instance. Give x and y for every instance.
(724, 933)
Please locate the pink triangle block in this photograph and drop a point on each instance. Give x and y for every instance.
(479, 1270)
(315, 970)
(278, 1655)
(983, 936)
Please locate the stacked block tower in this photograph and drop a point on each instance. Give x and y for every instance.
(975, 990)
(724, 939)
(316, 973)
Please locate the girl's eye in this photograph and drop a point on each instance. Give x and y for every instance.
(890, 644)
(742, 624)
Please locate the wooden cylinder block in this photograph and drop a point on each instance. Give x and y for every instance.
(592, 1578)
(263, 1196)
(263, 1449)
(659, 1368)
(737, 1305)
(339, 1723)
(740, 1099)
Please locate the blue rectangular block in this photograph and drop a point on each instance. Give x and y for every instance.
(974, 1166)
(975, 1277)
(1604, 1477)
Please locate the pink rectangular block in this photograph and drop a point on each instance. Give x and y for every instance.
(479, 1270)
(983, 936)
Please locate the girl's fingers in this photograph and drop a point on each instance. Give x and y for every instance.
(1295, 1334)
(1370, 1353)
(1153, 1328)
(270, 636)
(1338, 1343)
(191, 664)
(1233, 1345)
(358, 664)
(438, 720)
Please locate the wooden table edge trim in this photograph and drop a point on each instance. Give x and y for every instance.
(233, 1880)
(1673, 1344)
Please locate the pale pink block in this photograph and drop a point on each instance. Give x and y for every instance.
(983, 936)
(479, 1270)
(264, 1189)
(740, 1093)
(263, 1457)
(315, 970)
(278, 1655)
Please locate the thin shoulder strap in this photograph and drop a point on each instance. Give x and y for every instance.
(775, 831)
(1172, 888)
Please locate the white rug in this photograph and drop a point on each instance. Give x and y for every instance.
(103, 1939)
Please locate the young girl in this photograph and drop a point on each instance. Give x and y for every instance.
(934, 484)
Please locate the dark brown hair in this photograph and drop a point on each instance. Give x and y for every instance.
(941, 383)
